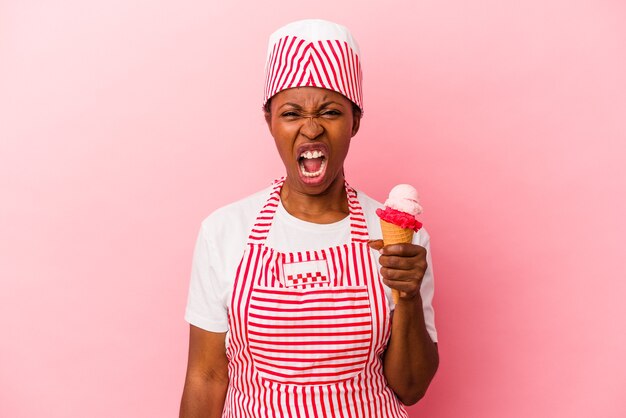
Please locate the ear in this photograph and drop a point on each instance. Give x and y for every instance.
(356, 122)
(268, 120)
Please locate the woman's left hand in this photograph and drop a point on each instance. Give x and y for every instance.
(411, 358)
(402, 267)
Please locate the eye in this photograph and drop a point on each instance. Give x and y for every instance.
(331, 113)
(290, 114)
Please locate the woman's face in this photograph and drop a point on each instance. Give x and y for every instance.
(312, 128)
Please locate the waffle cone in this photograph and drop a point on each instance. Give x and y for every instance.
(393, 234)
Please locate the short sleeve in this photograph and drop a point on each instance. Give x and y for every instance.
(206, 307)
(427, 289)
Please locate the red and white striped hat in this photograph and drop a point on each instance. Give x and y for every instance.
(315, 53)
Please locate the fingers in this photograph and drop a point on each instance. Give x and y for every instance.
(402, 263)
(408, 282)
(376, 244)
(403, 275)
(402, 266)
(408, 290)
(403, 256)
(403, 250)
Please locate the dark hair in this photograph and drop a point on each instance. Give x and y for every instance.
(355, 109)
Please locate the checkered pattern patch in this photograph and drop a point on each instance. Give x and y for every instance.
(305, 273)
(308, 278)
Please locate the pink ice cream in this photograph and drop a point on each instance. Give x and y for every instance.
(402, 207)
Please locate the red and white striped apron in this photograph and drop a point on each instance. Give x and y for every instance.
(307, 329)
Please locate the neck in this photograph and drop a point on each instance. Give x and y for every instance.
(329, 206)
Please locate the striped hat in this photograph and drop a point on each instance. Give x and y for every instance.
(315, 53)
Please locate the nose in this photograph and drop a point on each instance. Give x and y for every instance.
(311, 128)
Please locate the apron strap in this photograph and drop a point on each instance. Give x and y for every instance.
(358, 226)
(265, 218)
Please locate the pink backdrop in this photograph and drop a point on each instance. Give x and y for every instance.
(120, 121)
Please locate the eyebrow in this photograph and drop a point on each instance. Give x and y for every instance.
(297, 106)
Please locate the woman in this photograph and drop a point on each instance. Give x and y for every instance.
(288, 279)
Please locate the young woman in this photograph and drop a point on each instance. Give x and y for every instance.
(289, 302)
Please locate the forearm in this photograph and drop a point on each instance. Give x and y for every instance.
(203, 396)
(411, 358)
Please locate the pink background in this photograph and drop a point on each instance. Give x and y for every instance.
(124, 123)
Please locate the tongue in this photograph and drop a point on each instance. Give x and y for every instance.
(312, 165)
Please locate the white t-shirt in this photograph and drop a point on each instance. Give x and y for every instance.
(223, 237)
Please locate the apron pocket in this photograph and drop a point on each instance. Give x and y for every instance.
(309, 336)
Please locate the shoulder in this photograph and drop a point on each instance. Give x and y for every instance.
(234, 219)
(368, 203)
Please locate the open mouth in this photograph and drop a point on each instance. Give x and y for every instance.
(312, 163)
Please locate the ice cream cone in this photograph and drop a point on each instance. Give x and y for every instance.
(398, 219)
(393, 234)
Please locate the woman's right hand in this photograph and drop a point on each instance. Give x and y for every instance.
(207, 375)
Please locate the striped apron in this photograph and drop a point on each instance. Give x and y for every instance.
(307, 329)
